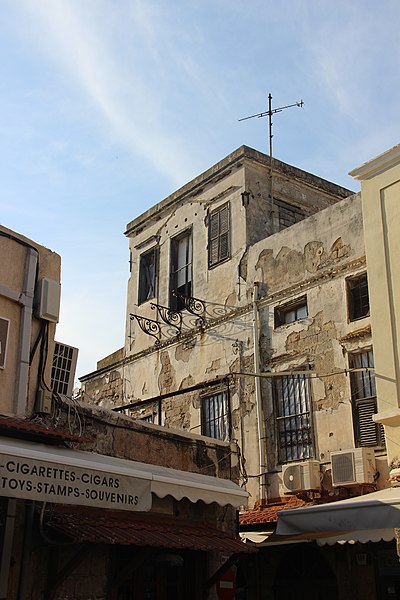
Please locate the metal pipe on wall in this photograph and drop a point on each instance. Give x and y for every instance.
(259, 409)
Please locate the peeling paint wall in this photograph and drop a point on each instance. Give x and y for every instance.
(311, 259)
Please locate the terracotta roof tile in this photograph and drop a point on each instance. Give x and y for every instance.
(139, 529)
(268, 513)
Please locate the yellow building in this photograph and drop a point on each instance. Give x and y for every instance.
(380, 193)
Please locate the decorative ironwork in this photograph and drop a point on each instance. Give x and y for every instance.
(203, 310)
(170, 317)
(148, 326)
(193, 305)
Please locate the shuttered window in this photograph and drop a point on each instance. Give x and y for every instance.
(363, 395)
(219, 244)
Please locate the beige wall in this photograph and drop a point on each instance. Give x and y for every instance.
(14, 251)
(380, 192)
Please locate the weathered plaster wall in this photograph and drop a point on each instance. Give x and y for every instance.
(312, 258)
(298, 188)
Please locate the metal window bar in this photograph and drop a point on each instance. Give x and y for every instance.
(215, 416)
(293, 416)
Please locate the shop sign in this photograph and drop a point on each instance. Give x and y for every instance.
(47, 481)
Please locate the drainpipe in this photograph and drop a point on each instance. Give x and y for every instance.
(259, 410)
(26, 300)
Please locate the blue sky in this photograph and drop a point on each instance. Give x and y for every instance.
(107, 106)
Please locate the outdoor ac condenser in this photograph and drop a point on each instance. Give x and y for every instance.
(353, 467)
(297, 477)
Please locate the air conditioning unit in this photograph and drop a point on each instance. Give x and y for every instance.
(353, 467)
(297, 477)
(63, 370)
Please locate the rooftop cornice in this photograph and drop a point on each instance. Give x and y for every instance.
(222, 168)
(377, 165)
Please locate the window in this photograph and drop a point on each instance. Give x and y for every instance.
(148, 275)
(293, 416)
(357, 297)
(363, 396)
(218, 235)
(181, 269)
(288, 214)
(291, 312)
(214, 416)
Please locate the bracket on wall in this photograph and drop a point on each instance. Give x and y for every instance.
(148, 326)
(170, 317)
(195, 306)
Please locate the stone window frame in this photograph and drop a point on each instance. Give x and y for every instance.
(358, 306)
(292, 311)
(292, 398)
(148, 275)
(367, 433)
(219, 235)
(215, 413)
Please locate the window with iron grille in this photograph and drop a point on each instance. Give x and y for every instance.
(363, 396)
(219, 235)
(293, 417)
(215, 416)
(288, 214)
(357, 297)
(181, 269)
(289, 313)
(148, 271)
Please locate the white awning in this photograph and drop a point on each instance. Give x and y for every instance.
(372, 517)
(53, 474)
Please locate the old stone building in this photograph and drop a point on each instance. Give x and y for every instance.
(248, 320)
(94, 504)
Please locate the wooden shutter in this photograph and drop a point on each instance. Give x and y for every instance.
(218, 235)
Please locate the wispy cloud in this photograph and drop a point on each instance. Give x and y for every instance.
(79, 37)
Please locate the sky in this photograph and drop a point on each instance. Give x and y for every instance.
(108, 106)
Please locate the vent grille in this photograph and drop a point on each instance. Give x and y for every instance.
(63, 370)
(353, 467)
(343, 470)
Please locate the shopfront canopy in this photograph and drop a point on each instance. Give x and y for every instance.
(59, 475)
(372, 517)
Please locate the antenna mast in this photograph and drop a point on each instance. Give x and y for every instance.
(271, 111)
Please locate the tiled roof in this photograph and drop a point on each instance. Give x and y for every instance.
(83, 524)
(268, 513)
(33, 430)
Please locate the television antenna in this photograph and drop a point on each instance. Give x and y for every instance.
(268, 113)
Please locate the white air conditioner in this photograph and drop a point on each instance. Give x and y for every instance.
(353, 467)
(297, 477)
(63, 370)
